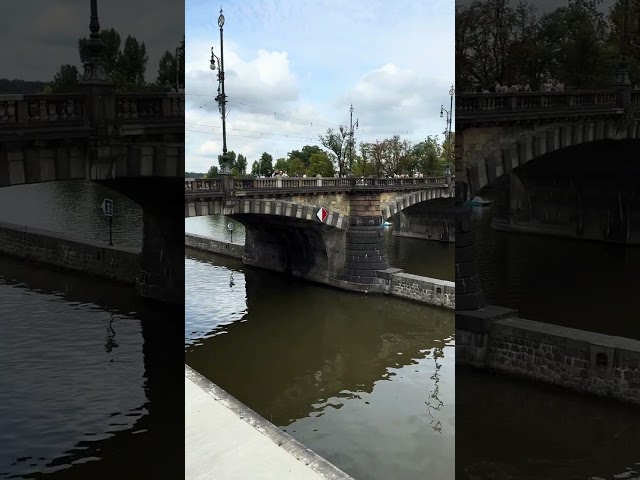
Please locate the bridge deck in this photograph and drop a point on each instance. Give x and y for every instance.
(224, 439)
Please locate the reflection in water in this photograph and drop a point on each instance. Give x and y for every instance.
(514, 429)
(348, 375)
(74, 208)
(420, 257)
(511, 428)
(87, 388)
(529, 273)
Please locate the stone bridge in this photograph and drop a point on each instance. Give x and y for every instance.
(130, 142)
(557, 163)
(285, 233)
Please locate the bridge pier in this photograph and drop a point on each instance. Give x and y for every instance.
(365, 248)
(162, 258)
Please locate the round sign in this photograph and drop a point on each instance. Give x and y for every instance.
(230, 226)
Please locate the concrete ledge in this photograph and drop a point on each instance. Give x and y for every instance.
(207, 244)
(299, 453)
(433, 291)
(119, 264)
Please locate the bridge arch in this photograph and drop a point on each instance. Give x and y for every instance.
(488, 165)
(396, 205)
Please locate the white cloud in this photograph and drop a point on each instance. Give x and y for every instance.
(293, 70)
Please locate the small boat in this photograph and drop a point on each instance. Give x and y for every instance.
(478, 202)
(386, 224)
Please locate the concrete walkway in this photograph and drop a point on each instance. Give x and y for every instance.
(225, 440)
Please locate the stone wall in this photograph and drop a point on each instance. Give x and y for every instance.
(585, 361)
(579, 360)
(114, 263)
(207, 244)
(423, 289)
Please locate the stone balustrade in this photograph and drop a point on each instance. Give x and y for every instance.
(34, 109)
(295, 183)
(71, 108)
(481, 109)
(149, 106)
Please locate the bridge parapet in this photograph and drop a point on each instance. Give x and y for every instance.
(214, 185)
(149, 106)
(25, 110)
(37, 110)
(509, 107)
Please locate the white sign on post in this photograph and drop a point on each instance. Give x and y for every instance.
(107, 207)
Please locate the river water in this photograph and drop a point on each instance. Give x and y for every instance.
(579, 284)
(366, 381)
(508, 428)
(86, 389)
(420, 257)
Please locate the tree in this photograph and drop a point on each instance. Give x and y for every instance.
(240, 166)
(111, 54)
(429, 156)
(320, 164)
(127, 66)
(213, 171)
(66, 80)
(167, 66)
(295, 167)
(363, 164)
(336, 143)
(281, 165)
(265, 164)
(132, 62)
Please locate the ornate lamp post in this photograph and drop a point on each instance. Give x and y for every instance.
(221, 98)
(622, 74)
(351, 140)
(95, 71)
(447, 131)
(179, 57)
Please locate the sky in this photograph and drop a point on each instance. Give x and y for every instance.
(293, 68)
(43, 34)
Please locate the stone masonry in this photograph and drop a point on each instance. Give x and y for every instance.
(207, 244)
(41, 246)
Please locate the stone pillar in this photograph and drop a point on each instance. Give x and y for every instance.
(161, 275)
(365, 249)
(162, 265)
(469, 295)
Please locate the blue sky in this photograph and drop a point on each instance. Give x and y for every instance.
(293, 68)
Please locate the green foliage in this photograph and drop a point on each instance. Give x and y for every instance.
(66, 80)
(167, 70)
(239, 167)
(575, 44)
(263, 166)
(213, 172)
(320, 164)
(281, 165)
(337, 143)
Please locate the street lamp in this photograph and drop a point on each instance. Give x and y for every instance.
(179, 56)
(221, 98)
(95, 70)
(622, 75)
(447, 131)
(351, 139)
